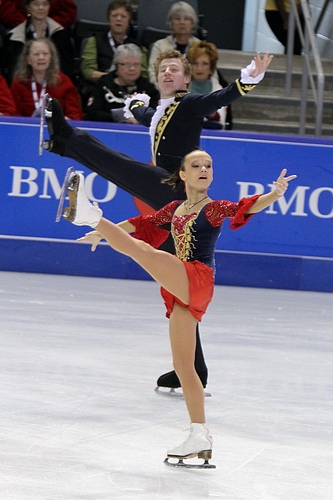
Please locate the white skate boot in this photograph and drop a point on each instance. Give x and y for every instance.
(81, 211)
(198, 444)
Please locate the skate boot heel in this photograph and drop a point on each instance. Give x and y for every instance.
(205, 455)
(59, 129)
(48, 112)
(48, 145)
(69, 214)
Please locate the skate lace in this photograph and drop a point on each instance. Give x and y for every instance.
(187, 429)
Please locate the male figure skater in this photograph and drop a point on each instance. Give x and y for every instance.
(175, 128)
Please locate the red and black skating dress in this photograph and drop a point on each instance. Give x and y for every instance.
(195, 237)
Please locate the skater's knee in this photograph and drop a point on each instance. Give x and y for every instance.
(184, 369)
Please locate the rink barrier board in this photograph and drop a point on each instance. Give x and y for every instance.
(232, 269)
(286, 247)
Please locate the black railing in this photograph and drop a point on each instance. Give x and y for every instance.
(310, 53)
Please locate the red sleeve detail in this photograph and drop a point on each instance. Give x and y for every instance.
(148, 232)
(147, 226)
(218, 210)
(241, 217)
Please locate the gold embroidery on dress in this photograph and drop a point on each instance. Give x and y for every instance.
(184, 241)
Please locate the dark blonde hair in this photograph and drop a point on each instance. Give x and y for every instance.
(119, 4)
(24, 70)
(201, 47)
(174, 179)
(172, 54)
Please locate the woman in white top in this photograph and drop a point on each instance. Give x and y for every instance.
(182, 19)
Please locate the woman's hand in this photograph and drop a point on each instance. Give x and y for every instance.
(281, 184)
(94, 237)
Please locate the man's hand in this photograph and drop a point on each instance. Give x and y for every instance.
(261, 64)
(255, 71)
(281, 184)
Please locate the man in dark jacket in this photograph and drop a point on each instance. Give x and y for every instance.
(175, 128)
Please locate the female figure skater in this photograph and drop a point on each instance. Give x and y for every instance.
(187, 278)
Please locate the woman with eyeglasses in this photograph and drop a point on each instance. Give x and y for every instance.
(182, 20)
(107, 101)
(38, 25)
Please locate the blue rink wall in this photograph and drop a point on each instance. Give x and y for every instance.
(289, 245)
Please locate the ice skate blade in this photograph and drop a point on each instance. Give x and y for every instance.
(43, 144)
(170, 392)
(65, 187)
(185, 465)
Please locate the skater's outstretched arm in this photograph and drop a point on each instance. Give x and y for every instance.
(281, 186)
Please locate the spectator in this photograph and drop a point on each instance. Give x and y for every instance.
(37, 74)
(7, 104)
(38, 25)
(182, 19)
(14, 12)
(108, 99)
(277, 16)
(98, 51)
(203, 57)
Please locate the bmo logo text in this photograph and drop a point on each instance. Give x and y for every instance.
(25, 184)
(299, 200)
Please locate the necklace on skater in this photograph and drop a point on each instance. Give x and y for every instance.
(188, 205)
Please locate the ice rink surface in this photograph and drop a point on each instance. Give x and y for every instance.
(80, 419)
